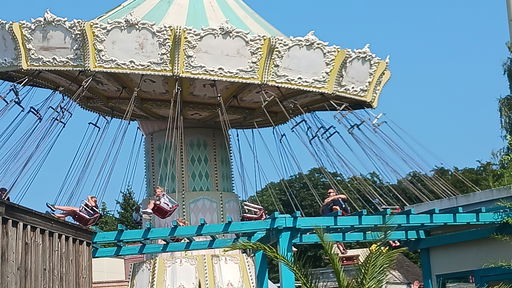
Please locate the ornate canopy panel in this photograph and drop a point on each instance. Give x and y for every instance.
(261, 80)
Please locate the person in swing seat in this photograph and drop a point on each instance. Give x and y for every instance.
(4, 195)
(137, 216)
(160, 198)
(334, 202)
(89, 208)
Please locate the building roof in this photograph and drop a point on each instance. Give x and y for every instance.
(467, 202)
(194, 13)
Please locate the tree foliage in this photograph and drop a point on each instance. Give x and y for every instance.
(126, 208)
(107, 222)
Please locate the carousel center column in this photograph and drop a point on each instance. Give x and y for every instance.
(195, 169)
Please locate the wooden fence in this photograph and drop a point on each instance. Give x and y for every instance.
(37, 250)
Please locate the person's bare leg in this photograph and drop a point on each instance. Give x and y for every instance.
(63, 216)
(60, 216)
(341, 248)
(67, 208)
(149, 209)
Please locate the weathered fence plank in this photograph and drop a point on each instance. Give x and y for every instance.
(37, 250)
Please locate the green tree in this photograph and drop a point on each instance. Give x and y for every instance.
(107, 222)
(126, 208)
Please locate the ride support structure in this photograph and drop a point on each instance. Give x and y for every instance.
(416, 231)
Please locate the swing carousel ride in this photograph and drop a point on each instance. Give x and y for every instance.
(196, 75)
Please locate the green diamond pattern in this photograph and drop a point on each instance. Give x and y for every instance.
(225, 169)
(198, 165)
(168, 174)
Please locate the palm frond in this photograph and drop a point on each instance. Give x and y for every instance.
(301, 273)
(373, 271)
(334, 259)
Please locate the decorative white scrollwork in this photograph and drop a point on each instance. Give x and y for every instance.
(9, 51)
(378, 87)
(357, 72)
(224, 51)
(53, 41)
(302, 61)
(181, 272)
(132, 44)
(227, 271)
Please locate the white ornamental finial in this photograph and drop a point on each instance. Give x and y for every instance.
(311, 35)
(131, 19)
(226, 27)
(48, 17)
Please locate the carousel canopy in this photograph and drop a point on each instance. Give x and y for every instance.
(145, 55)
(194, 14)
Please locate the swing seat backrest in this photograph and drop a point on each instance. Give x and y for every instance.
(258, 213)
(253, 217)
(163, 212)
(85, 220)
(87, 215)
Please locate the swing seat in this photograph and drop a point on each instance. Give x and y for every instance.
(393, 209)
(394, 243)
(253, 212)
(164, 212)
(85, 220)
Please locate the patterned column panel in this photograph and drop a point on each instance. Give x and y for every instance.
(232, 207)
(203, 207)
(225, 173)
(196, 172)
(199, 166)
(161, 164)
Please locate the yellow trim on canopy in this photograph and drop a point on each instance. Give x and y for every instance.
(263, 60)
(16, 28)
(385, 78)
(92, 50)
(380, 69)
(338, 61)
(182, 52)
(172, 59)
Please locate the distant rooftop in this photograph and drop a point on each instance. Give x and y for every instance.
(468, 202)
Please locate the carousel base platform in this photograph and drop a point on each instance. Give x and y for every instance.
(206, 268)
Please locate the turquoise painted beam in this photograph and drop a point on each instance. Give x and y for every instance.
(359, 236)
(170, 247)
(187, 231)
(456, 237)
(408, 211)
(368, 222)
(354, 228)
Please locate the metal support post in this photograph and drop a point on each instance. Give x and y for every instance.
(261, 264)
(426, 268)
(286, 276)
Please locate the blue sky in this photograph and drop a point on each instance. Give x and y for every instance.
(446, 60)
